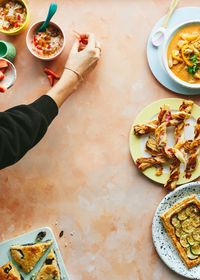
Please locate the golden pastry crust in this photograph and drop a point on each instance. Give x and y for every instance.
(157, 144)
(142, 129)
(143, 163)
(194, 151)
(174, 175)
(186, 106)
(27, 256)
(173, 232)
(9, 272)
(50, 269)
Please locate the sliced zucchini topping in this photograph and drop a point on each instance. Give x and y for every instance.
(175, 222)
(195, 249)
(182, 215)
(186, 224)
(192, 210)
(183, 240)
(191, 240)
(190, 254)
(196, 234)
(196, 221)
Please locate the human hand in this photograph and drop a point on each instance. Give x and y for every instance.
(81, 61)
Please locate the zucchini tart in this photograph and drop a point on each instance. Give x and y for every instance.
(27, 256)
(50, 269)
(9, 272)
(182, 223)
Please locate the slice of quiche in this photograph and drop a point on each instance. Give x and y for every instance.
(27, 256)
(182, 223)
(50, 269)
(9, 272)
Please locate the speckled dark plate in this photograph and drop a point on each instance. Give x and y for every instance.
(162, 241)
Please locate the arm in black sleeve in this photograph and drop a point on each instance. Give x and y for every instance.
(22, 127)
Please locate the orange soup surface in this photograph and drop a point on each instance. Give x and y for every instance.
(184, 54)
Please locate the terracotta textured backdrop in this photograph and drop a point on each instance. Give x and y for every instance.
(80, 178)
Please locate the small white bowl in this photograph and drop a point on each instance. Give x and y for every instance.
(164, 54)
(30, 35)
(10, 75)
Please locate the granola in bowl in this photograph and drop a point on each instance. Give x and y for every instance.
(49, 43)
(13, 16)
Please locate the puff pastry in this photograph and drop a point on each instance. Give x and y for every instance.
(183, 151)
(9, 272)
(182, 223)
(27, 256)
(193, 151)
(50, 269)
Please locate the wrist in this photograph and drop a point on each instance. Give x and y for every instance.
(64, 87)
(79, 75)
(69, 77)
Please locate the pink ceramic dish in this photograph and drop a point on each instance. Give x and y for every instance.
(46, 45)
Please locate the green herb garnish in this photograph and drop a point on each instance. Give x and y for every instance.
(194, 58)
(195, 67)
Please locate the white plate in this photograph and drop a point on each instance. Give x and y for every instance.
(162, 241)
(30, 238)
(154, 55)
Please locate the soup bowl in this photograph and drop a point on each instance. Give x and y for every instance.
(165, 56)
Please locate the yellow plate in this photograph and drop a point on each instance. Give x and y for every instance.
(136, 143)
(25, 24)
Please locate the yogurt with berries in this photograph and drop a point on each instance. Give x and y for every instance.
(49, 43)
(12, 15)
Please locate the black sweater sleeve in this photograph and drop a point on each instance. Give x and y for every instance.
(22, 127)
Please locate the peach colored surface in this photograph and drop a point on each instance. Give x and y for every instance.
(80, 178)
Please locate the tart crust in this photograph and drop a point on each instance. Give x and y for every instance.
(166, 220)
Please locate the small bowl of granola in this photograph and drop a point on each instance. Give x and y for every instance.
(46, 45)
(14, 16)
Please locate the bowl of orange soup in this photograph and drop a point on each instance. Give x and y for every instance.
(181, 54)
